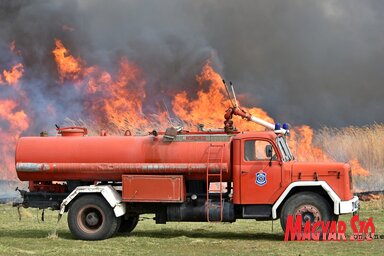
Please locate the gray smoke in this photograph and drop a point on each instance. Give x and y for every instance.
(305, 62)
(8, 192)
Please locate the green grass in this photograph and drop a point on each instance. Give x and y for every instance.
(245, 237)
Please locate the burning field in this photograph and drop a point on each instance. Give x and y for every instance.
(54, 73)
(115, 101)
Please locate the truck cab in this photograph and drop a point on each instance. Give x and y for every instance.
(269, 183)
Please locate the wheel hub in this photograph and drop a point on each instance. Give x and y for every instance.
(309, 213)
(92, 219)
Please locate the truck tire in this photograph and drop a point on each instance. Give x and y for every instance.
(309, 205)
(91, 218)
(128, 223)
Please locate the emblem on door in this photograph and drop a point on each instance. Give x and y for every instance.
(261, 178)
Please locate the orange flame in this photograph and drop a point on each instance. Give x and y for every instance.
(301, 143)
(123, 97)
(210, 105)
(68, 67)
(17, 122)
(13, 119)
(12, 77)
(357, 169)
(116, 100)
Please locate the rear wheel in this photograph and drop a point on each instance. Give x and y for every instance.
(91, 218)
(128, 223)
(311, 206)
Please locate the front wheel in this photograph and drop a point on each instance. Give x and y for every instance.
(91, 218)
(311, 206)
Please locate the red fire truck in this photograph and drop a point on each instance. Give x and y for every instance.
(106, 182)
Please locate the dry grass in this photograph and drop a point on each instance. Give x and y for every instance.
(366, 144)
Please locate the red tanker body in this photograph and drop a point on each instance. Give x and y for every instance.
(106, 182)
(106, 158)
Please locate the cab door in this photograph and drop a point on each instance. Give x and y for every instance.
(261, 173)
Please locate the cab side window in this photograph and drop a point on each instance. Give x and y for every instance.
(255, 150)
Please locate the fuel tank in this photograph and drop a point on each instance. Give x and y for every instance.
(107, 158)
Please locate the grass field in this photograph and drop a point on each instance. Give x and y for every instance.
(245, 237)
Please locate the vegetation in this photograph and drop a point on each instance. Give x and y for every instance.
(364, 144)
(245, 237)
(361, 147)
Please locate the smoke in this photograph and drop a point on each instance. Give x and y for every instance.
(8, 192)
(312, 62)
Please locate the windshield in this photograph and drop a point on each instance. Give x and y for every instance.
(284, 149)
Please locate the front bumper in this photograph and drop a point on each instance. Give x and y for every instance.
(349, 206)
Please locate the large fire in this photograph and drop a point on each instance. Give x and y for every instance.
(13, 118)
(115, 100)
(17, 121)
(208, 107)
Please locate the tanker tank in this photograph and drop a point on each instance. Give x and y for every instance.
(75, 156)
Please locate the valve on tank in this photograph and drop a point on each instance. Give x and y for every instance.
(44, 134)
(71, 131)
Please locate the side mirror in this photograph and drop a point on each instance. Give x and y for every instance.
(268, 151)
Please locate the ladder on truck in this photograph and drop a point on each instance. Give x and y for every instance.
(215, 156)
